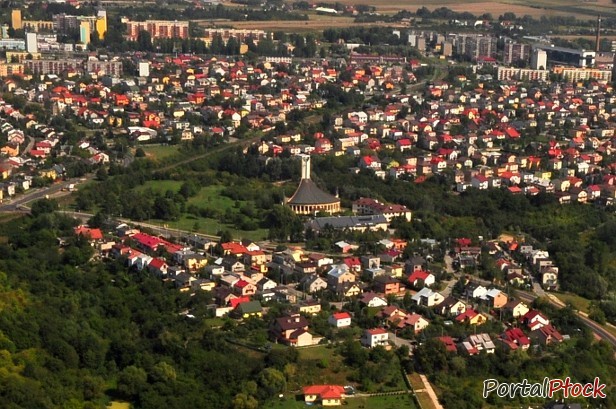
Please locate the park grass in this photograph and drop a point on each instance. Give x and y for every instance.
(404, 401)
(188, 222)
(210, 197)
(415, 381)
(424, 400)
(118, 405)
(161, 186)
(319, 365)
(356, 402)
(160, 152)
(579, 303)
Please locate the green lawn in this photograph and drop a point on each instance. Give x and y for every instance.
(160, 152)
(381, 402)
(579, 303)
(209, 226)
(208, 197)
(161, 186)
(318, 352)
(373, 402)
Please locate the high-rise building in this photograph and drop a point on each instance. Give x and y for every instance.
(539, 59)
(16, 21)
(112, 68)
(101, 24)
(447, 49)
(475, 46)
(53, 66)
(5, 31)
(144, 69)
(31, 43)
(157, 29)
(84, 33)
(516, 52)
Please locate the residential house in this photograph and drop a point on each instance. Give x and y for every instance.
(374, 337)
(535, 320)
(427, 297)
(312, 283)
(495, 298)
(339, 274)
(546, 335)
(372, 300)
(515, 336)
(309, 307)
(386, 285)
(249, 309)
(451, 307)
(420, 279)
(472, 317)
(449, 343)
(340, 319)
(481, 342)
(325, 395)
(516, 308)
(292, 330)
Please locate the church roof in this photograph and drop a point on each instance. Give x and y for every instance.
(308, 193)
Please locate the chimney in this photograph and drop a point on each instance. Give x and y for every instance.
(598, 38)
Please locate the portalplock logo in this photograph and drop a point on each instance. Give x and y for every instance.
(547, 389)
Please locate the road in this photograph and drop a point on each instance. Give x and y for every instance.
(595, 327)
(398, 342)
(35, 194)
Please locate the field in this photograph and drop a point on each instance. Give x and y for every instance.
(316, 22)
(579, 303)
(210, 197)
(119, 405)
(159, 152)
(373, 402)
(520, 7)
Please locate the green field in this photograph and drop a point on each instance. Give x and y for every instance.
(373, 402)
(579, 303)
(210, 197)
(160, 152)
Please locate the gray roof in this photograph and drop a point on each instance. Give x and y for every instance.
(343, 222)
(308, 193)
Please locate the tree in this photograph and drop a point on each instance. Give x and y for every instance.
(43, 206)
(283, 224)
(226, 237)
(131, 381)
(244, 401)
(272, 382)
(144, 41)
(101, 174)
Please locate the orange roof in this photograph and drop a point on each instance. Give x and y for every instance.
(325, 391)
(92, 234)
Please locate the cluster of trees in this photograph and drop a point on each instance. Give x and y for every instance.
(440, 215)
(364, 35)
(88, 332)
(461, 378)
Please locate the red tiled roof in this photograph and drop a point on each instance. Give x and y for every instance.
(92, 234)
(325, 391)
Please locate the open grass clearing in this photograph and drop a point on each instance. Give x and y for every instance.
(403, 401)
(579, 303)
(118, 405)
(160, 152)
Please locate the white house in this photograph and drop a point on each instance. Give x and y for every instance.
(427, 297)
(340, 319)
(374, 337)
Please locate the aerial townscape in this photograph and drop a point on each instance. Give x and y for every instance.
(275, 204)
